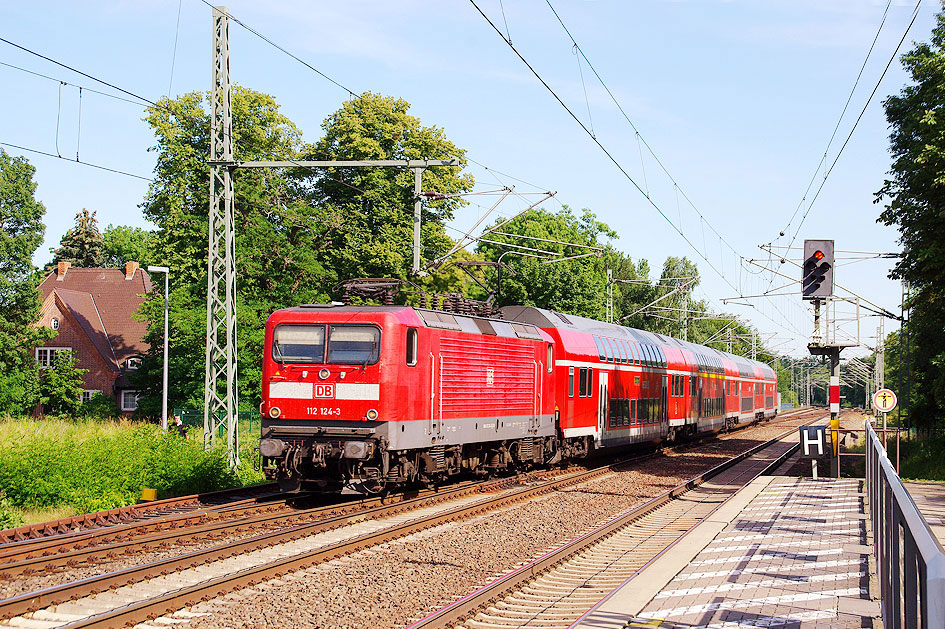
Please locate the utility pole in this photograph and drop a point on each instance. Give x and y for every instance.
(610, 296)
(221, 403)
(221, 407)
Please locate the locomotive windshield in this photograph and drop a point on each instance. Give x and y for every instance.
(306, 343)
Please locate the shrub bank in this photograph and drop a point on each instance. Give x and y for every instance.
(92, 465)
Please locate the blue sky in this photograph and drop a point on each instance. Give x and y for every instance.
(736, 98)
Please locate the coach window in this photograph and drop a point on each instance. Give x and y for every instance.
(624, 356)
(582, 388)
(600, 348)
(411, 346)
(551, 358)
(611, 351)
(570, 381)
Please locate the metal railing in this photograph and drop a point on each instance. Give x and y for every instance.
(910, 562)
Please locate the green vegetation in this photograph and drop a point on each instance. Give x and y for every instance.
(82, 245)
(21, 233)
(913, 200)
(90, 465)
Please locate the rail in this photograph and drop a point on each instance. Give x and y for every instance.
(910, 562)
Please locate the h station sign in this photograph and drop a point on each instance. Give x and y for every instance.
(815, 443)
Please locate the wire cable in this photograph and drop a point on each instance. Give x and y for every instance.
(89, 164)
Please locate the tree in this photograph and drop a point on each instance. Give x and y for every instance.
(576, 286)
(61, 385)
(372, 207)
(82, 245)
(21, 233)
(122, 244)
(914, 195)
(299, 231)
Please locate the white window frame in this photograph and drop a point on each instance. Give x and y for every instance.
(88, 394)
(50, 355)
(134, 362)
(123, 406)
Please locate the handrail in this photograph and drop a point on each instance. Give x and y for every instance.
(910, 562)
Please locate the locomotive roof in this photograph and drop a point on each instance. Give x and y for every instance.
(551, 319)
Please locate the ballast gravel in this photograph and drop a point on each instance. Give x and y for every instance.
(401, 581)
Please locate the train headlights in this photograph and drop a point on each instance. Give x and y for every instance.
(324, 373)
(372, 414)
(275, 412)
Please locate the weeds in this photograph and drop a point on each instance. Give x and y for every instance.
(92, 465)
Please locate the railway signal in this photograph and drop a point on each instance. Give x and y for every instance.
(817, 281)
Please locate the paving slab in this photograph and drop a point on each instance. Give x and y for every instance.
(784, 552)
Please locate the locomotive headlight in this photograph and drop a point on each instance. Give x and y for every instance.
(372, 414)
(274, 412)
(324, 373)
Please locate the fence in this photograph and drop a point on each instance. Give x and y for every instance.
(248, 420)
(910, 562)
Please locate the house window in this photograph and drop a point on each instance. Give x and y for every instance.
(129, 400)
(133, 363)
(88, 394)
(46, 356)
(54, 323)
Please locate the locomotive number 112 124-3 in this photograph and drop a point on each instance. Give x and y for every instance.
(322, 410)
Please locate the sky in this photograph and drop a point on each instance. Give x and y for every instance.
(716, 115)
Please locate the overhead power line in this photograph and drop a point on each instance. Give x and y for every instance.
(611, 157)
(75, 161)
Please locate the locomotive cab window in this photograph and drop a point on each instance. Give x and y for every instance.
(550, 362)
(353, 344)
(298, 343)
(411, 353)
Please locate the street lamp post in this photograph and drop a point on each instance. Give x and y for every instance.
(167, 273)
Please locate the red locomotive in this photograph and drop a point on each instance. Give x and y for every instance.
(358, 398)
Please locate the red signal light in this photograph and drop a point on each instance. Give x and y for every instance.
(818, 255)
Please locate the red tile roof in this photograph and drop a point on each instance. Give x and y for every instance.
(107, 312)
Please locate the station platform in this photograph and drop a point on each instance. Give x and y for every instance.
(783, 552)
(930, 499)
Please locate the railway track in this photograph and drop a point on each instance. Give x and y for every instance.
(187, 519)
(558, 588)
(136, 593)
(168, 507)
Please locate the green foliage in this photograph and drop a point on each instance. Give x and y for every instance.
(369, 210)
(123, 244)
(61, 385)
(573, 286)
(82, 245)
(914, 195)
(21, 233)
(99, 407)
(10, 517)
(298, 231)
(93, 465)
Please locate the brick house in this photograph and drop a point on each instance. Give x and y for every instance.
(93, 312)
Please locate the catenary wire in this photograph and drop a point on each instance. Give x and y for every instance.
(71, 161)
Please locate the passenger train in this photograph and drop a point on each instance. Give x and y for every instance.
(362, 398)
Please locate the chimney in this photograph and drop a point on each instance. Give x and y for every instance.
(130, 268)
(61, 271)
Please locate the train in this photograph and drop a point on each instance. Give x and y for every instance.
(363, 399)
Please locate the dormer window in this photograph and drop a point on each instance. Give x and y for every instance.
(133, 363)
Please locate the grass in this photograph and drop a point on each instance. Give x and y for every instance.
(50, 467)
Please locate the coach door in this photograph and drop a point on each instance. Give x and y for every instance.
(664, 406)
(602, 404)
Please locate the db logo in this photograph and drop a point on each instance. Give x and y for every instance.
(324, 390)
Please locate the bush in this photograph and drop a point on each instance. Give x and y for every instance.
(92, 465)
(100, 407)
(10, 517)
